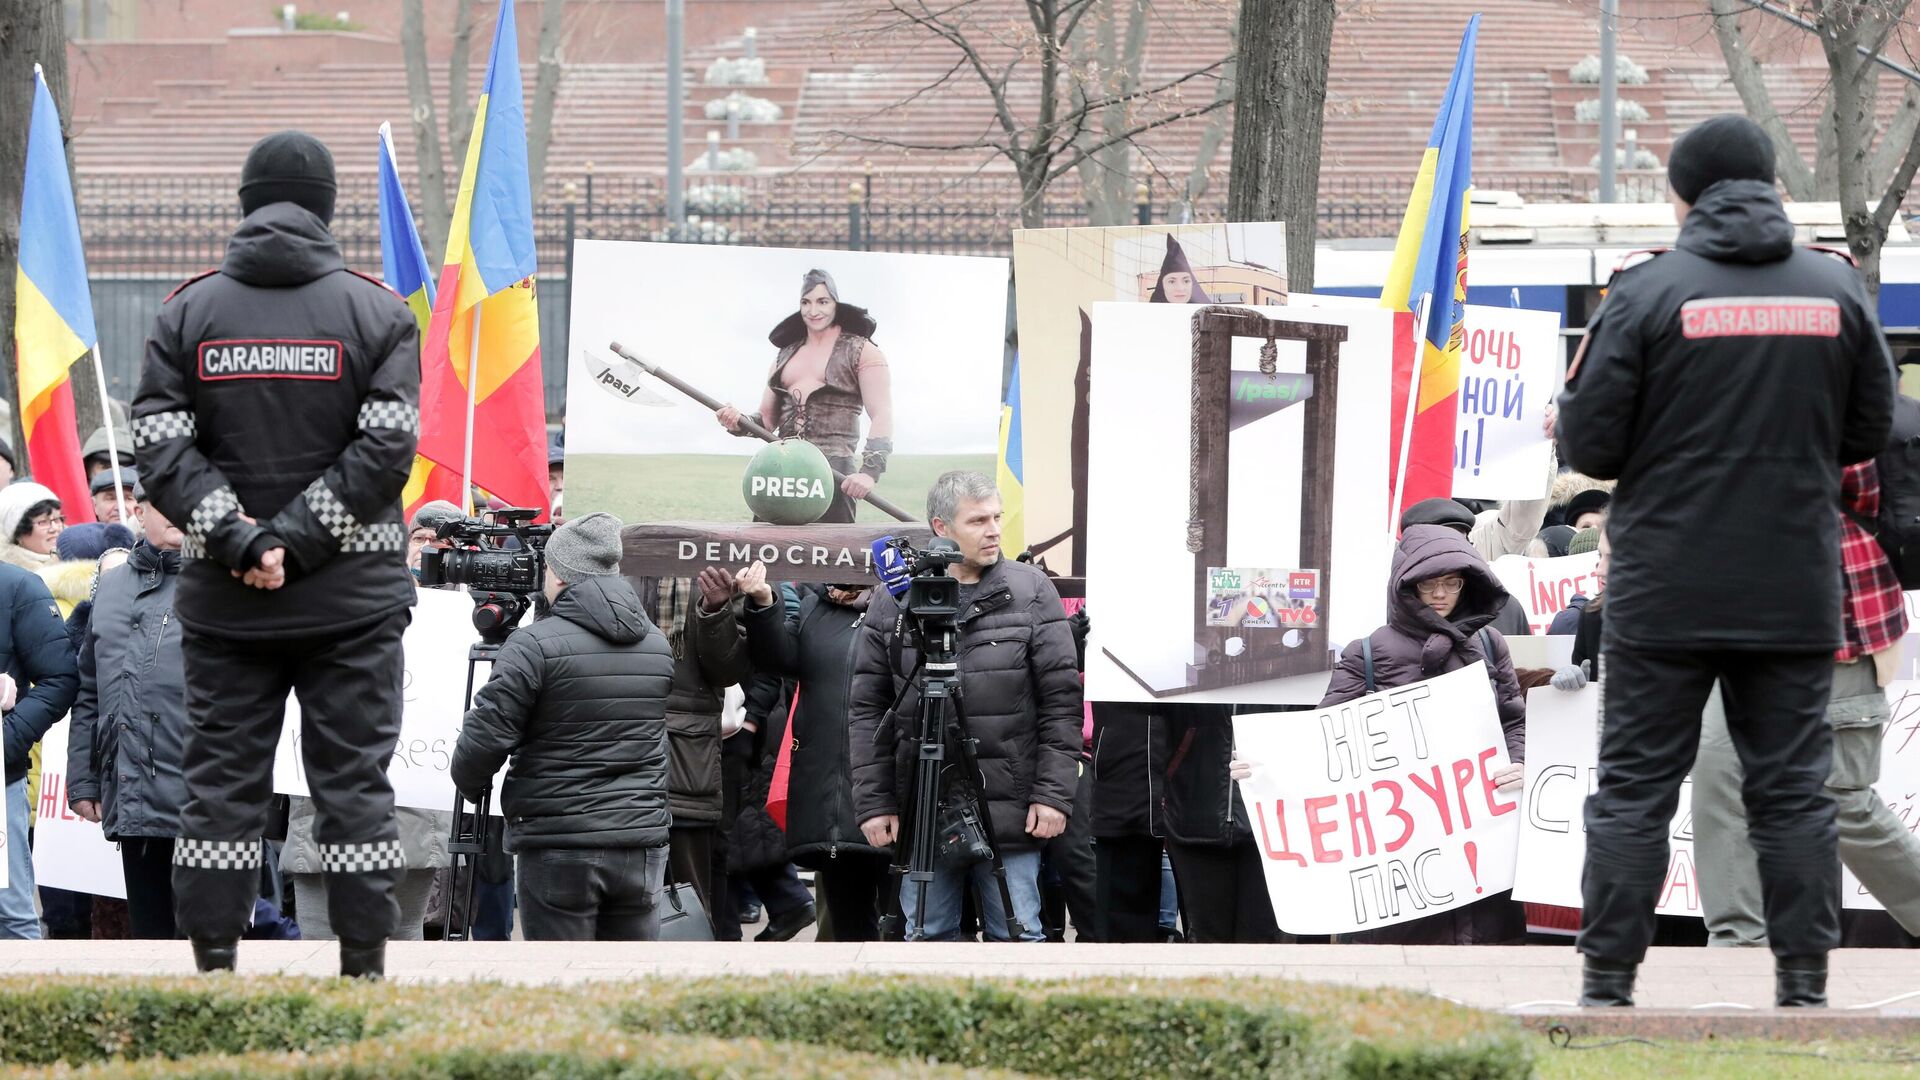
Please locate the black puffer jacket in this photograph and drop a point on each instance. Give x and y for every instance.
(1418, 644)
(1724, 385)
(710, 654)
(816, 649)
(1126, 792)
(34, 650)
(578, 700)
(130, 721)
(284, 388)
(1021, 692)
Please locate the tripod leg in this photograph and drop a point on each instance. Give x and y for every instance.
(970, 770)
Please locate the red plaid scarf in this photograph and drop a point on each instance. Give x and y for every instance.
(1874, 614)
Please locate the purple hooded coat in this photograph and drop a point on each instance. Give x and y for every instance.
(1415, 644)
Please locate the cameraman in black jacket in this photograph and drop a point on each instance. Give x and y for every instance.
(578, 701)
(276, 421)
(1724, 385)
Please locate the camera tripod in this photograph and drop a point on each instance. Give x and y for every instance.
(937, 677)
(470, 838)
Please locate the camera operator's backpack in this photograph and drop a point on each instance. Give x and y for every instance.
(1898, 526)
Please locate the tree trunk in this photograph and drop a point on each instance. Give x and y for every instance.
(1744, 72)
(459, 109)
(1200, 176)
(546, 90)
(426, 130)
(31, 31)
(1281, 56)
(1844, 27)
(1032, 171)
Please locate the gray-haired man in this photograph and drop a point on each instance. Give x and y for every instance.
(1020, 688)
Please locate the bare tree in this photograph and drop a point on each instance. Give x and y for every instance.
(1284, 49)
(459, 109)
(1059, 102)
(546, 89)
(426, 129)
(31, 31)
(1870, 183)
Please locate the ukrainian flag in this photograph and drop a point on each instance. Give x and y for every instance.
(1010, 472)
(485, 315)
(53, 316)
(1430, 260)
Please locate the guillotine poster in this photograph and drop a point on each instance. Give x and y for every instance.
(875, 366)
(1059, 274)
(1238, 524)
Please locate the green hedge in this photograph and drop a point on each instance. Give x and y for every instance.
(855, 1027)
(1189, 1030)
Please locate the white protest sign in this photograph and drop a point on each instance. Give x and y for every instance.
(432, 708)
(1509, 359)
(1381, 810)
(70, 852)
(1546, 586)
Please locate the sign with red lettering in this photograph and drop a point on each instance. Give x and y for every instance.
(1509, 362)
(1381, 810)
(1546, 587)
(69, 852)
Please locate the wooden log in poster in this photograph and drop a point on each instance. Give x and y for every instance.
(836, 554)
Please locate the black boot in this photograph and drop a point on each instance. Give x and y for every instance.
(1606, 983)
(363, 961)
(215, 955)
(1800, 982)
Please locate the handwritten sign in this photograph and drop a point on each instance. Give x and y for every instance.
(432, 708)
(1562, 770)
(1382, 810)
(1546, 586)
(70, 852)
(1509, 358)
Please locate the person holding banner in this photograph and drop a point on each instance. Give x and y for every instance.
(1724, 385)
(1444, 598)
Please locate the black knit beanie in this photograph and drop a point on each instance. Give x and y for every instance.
(1724, 147)
(289, 166)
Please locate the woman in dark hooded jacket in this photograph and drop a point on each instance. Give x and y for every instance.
(815, 648)
(1443, 598)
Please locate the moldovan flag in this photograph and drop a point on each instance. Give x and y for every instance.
(53, 316)
(403, 263)
(1010, 472)
(485, 315)
(1430, 259)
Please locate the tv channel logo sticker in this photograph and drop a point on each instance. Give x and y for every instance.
(1303, 584)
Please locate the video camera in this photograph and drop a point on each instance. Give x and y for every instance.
(931, 597)
(501, 579)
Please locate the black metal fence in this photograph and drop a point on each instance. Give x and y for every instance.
(144, 234)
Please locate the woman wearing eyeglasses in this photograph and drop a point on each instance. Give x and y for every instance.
(30, 525)
(1444, 596)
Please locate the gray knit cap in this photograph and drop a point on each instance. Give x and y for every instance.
(434, 514)
(585, 547)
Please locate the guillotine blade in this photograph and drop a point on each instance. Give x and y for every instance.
(1257, 395)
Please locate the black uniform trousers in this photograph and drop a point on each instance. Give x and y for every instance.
(349, 687)
(1223, 894)
(1128, 888)
(1650, 732)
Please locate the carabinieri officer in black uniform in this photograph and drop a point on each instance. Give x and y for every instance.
(276, 419)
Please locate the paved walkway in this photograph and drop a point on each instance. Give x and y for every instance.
(1534, 979)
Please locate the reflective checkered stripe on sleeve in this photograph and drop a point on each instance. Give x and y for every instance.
(206, 517)
(397, 415)
(391, 536)
(217, 854)
(331, 512)
(158, 428)
(361, 858)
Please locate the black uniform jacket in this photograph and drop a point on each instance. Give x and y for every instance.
(283, 388)
(1724, 385)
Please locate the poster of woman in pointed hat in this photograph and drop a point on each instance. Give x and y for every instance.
(1058, 275)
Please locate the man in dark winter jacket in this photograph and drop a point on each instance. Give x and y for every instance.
(130, 722)
(36, 656)
(276, 421)
(1724, 385)
(1020, 689)
(578, 702)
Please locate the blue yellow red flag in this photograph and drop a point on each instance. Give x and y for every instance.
(1430, 262)
(485, 317)
(53, 316)
(1010, 471)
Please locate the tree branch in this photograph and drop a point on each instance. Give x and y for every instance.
(1750, 83)
(1901, 131)
(1134, 132)
(1898, 185)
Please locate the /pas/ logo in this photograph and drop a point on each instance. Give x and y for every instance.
(787, 487)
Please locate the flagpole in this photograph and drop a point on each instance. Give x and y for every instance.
(473, 396)
(1420, 320)
(113, 444)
